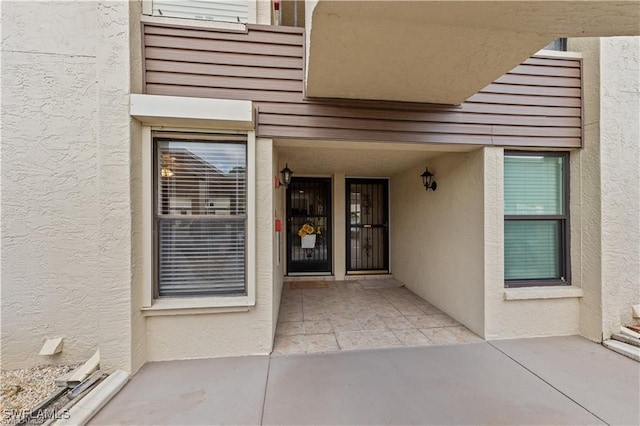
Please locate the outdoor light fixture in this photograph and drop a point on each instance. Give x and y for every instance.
(427, 180)
(286, 175)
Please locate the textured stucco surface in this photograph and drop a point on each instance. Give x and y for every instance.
(279, 242)
(72, 263)
(585, 196)
(263, 12)
(620, 165)
(71, 220)
(138, 321)
(49, 180)
(66, 232)
(514, 318)
(339, 225)
(607, 187)
(437, 237)
(114, 187)
(229, 334)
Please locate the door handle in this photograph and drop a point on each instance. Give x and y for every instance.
(366, 226)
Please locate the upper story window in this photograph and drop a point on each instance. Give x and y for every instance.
(536, 219)
(236, 11)
(559, 44)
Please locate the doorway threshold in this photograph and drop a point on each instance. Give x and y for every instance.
(369, 272)
(309, 277)
(359, 277)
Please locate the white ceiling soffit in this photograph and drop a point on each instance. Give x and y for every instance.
(441, 52)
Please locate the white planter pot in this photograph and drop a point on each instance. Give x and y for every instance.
(308, 241)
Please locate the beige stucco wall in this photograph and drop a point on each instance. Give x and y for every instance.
(279, 242)
(138, 243)
(620, 166)
(437, 237)
(114, 187)
(66, 218)
(608, 189)
(449, 249)
(263, 12)
(585, 196)
(339, 231)
(507, 319)
(71, 219)
(247, 332)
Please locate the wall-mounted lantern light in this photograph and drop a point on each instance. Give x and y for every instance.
(427, 180)
(286, 175)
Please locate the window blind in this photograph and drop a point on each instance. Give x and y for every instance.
(535, 217)
(531, 249)
(533, 185)
(201, 217)
(224, 11)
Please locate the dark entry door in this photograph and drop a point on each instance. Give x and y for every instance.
(309, 247)
(367, 225)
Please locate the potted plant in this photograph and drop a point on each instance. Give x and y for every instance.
(308, 234)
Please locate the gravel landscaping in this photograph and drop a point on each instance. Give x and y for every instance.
(23, 389)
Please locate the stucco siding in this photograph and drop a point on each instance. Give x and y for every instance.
(620, 163)
(530, 318)
(138, 321)
(339, 232)
(607, 189)
(438, 237)
(208, 335)
(66, 231)
(585, 196)
(278, 250)
(508, 319)
(49, 205)
(114, 187)
(50, 27)
(138, 243)
(75, 172)
(49, 199)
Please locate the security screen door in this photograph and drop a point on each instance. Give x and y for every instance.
(309, 226)
(367, 225)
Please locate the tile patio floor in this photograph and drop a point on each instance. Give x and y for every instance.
(345, 316)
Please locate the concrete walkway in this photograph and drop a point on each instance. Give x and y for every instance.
(560, 380)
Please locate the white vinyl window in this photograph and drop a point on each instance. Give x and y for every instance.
(236, 11)
(200, 216)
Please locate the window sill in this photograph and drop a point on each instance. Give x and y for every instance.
(195, 23)
(546, 292)
(196, 306)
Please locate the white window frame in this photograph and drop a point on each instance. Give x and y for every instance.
(252, 15)
(195, 304)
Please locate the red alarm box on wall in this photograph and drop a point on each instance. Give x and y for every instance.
(278, 225)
